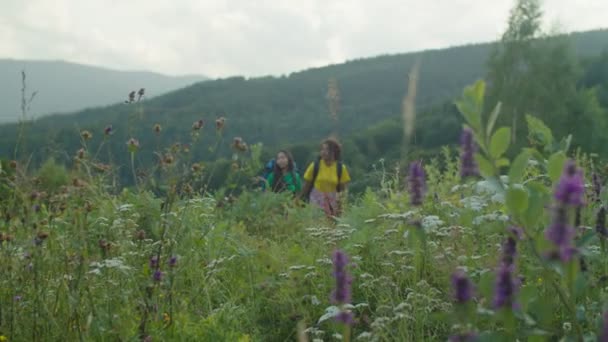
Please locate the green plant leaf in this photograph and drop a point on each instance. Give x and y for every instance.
(536, 200)
(518, 167)
(538, 132)
(485, 167)
(555, 165)
(499, 143)
(517, 199)
(471, 105)
(502, 162)
(492, 119)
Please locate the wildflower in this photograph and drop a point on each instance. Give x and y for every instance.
(131, 97)
(571, 187)
(341, 294)
(86, 135)
(157, 276)
(239, 144)
(560, 234)
(600, 223)
(173, 261)
(140, 93)
(417, 183)
(40, 237)
(219, 123)
(80, 153)
(17, 298)
(596, 182)
(133, 145)
(187, 188)
(168, 159)
(506, 287)
(36, 208)
(468, 166)
(462, 287)
(104, 245)
(197, 125)
(108, 130)
(157, 128)
(196, 167)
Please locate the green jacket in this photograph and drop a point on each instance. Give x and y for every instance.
(289, 183)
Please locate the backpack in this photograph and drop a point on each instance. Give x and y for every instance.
(315, 173)
(268, 168)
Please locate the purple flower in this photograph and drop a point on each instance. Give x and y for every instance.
(604, 333)
(462, 287)
(600, 223)
(570, 190)
(17, 298)
(173, 261)
(341, 294)
(417, 183)
(108, 130)
(157, 276)
(345, 317)
(506, 287)
(468, 166)
(560, 233)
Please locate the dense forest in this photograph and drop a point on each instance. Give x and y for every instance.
(561, 79)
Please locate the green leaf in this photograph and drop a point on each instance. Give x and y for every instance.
(500, 142)
(555, 165)
(502, 162)
(538, 132)
(517, 199)
(536, 200)
(485, 167)
(518, 167)
(471, 105)
(492, 119)
(467, 108)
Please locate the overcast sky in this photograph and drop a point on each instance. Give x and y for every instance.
(249, 37)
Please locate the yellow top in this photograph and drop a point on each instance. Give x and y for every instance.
(327, 179)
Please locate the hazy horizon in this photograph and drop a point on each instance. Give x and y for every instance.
(217, 39)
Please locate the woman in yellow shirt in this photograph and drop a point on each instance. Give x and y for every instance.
(326, 179)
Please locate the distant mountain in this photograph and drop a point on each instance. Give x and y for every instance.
(64, 87)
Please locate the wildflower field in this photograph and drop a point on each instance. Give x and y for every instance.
(494, 242)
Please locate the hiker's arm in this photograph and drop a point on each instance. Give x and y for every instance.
(305, 189)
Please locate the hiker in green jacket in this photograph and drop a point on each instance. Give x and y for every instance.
(283, 176)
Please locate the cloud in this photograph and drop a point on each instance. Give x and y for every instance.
(248, 37)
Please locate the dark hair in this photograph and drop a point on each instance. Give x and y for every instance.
(334, 147)
(277, 183)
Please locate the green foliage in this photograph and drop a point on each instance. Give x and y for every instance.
(52, 176)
